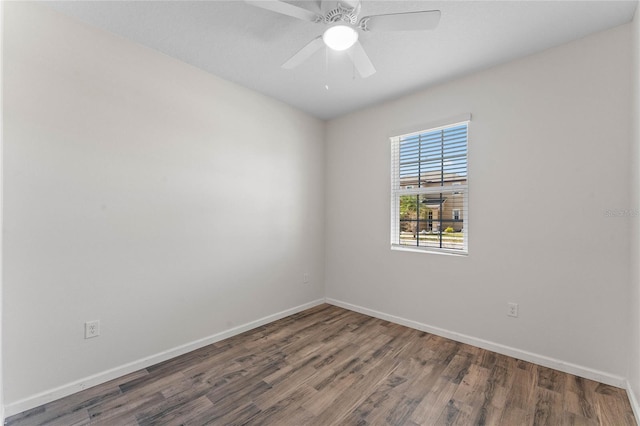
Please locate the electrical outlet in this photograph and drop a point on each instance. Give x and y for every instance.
(305, 278)
(512, 309)
(91, 329)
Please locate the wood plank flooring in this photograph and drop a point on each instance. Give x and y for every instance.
(330, 366)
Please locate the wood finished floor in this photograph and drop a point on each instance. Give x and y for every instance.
(329, 366)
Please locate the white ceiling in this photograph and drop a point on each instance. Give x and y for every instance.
(247, 45)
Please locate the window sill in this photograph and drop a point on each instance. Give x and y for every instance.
(429, 250)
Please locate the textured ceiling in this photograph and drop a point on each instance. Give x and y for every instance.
(247, 45)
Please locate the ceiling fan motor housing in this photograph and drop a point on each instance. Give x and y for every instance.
(342, 14)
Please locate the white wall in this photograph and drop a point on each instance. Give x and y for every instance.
(633, 374)
(1, 213)
(548, 154)
(143, 192)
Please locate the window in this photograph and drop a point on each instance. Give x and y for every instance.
(429, 189)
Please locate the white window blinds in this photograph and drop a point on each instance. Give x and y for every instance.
(429, 188)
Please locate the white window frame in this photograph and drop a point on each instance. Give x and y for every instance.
(455, 188)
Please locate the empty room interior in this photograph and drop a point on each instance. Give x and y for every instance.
(320, 212)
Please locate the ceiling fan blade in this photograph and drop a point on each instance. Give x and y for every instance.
(409, 21)
(361, 60)
(305, 53)
(286, 9)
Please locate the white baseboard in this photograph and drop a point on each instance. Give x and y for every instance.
(105, 376)
(633, 401)
(567, 367)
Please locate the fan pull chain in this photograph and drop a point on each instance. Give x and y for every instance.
(326, 68)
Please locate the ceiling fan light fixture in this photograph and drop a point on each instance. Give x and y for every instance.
(340, 37)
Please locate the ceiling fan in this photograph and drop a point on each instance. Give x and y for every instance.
(343, 28)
